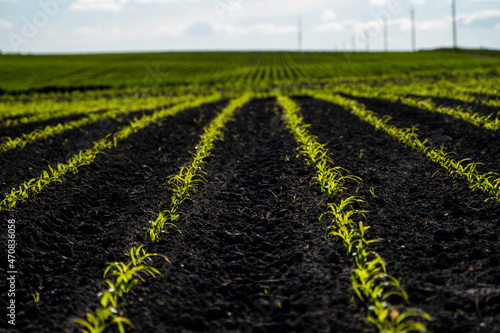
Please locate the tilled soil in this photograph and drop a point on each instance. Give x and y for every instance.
(252, 256)
(20, 165)
(67, 234)
(20, 129)
(439, 238)
(456, 136)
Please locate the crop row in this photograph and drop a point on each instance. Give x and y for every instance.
(51, 130)
(183, 183)
(263, 72)
(489, 182)
(117, 71)
(370, 280)
(22, 113)
(35, 185)
(423, 103)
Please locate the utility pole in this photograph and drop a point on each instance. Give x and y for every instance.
(454, 14)
(300, 34)
(386, 36)
(413, 32)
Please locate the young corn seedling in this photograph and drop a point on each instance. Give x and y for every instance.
(85, 157)
(185, 182)
(485, 182)
(126, 276)
(370, 280)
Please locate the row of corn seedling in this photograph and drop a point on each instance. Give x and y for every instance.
(48, 131)
(108, 312)
(12, 114)
(122, 277)
(489, 122)
(464, 88)
(370, 280)
(85, 157)
(184, 182)
(488, 182)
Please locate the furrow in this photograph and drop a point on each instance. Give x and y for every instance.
(370, 280)
(251, 255)
(436, 236)
(53, 175)
(69, 235)
(488, 182)
(23, 140)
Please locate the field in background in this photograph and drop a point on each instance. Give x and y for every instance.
(68, 72)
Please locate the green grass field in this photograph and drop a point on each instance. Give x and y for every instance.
(69, 72)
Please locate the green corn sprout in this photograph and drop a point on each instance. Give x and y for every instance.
(185, 182)
(370, 281)
(126, 276)
(86, 157)
(484, 182)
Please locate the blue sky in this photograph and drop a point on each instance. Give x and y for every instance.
(87, 26)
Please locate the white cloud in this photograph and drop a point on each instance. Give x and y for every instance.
(329, 15)
(400, 24)
(89, 30)
(405, 23)
(98, 30)
(161, 1)
(4, 24)
(267, 29)
(260, 28)
(379, 2)
(480, 15)
(258, 9)
(434, 24)
(111, 5)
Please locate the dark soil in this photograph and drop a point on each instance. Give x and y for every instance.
(439, 238)
(251, 256)
(68, 233)
(20, 165)
(456, 136)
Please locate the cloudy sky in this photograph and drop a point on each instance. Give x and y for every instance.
(83, 26)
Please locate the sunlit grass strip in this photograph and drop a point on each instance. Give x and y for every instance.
(184, 183)
(489, 182)
(85, 157)
(370, 280)
(49, 131)
(124, 277)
